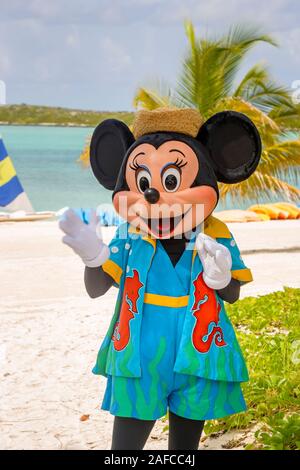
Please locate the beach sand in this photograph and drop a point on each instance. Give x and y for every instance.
(51, 331)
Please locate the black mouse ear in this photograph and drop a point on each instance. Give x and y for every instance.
(234, 145)
(110, 141)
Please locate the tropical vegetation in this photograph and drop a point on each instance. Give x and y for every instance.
(268, 330)
(210, 81)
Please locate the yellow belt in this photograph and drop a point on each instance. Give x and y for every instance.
(166, 300)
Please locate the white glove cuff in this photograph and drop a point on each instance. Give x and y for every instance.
(217, 284)
(100, 258)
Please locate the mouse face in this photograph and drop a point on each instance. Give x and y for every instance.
(164, 182)
(161, 198)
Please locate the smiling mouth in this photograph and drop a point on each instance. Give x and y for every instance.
(163, 225)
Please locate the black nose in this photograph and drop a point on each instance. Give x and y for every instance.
(151, 195)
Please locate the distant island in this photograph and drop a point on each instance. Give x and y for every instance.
(24, 114)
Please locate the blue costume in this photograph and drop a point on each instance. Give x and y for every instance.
(170, 344)
(158, 366)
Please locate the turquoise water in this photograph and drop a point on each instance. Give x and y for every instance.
(45, 160)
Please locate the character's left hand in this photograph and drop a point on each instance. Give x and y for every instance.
(216, 261)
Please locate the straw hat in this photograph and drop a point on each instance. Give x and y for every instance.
(183, 120)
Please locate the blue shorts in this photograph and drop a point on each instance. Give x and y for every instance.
(160, 388)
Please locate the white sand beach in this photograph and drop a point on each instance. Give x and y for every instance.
(51, 330)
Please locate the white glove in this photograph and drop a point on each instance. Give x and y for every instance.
(216, 261)
(84, 239)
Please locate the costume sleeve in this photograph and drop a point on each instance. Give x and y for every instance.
(239, 270)
(118, 247)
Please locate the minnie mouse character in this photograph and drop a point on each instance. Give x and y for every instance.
(170, 345)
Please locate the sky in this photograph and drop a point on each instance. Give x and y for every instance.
(94, 54)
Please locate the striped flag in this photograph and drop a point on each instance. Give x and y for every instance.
(12, 195)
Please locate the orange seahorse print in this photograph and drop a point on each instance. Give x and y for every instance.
(206, 310)
(121, 335)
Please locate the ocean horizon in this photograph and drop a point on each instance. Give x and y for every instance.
(45, 158)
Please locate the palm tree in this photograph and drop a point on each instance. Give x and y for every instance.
(208, 82)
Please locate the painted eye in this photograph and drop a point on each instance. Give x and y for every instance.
(171, 179)
(143, 180)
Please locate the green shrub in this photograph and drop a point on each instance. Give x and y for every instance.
(279, 433)
(268, 330)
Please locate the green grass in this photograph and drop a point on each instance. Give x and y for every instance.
(268, 330)
(24, 114)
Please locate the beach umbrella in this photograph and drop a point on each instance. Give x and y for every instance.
(12, 195)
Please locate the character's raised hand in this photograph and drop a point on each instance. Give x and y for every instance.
(84, 239)
(216, 261)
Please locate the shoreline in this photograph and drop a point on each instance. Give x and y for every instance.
(70, 124)
(45, 124)
(56, 116)
(49, 124)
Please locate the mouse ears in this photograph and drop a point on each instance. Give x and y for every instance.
(110, 141)
(233, 144)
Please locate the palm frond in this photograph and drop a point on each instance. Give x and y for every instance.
(236, 44)
(259, 89)
(267, 95)
(260, 186)
(281, 155)
(257, 74)
(199, 84)
(244, 36)
(151, 99)
(210, 65)
(190, 34)
(282, 160)
(287, 115)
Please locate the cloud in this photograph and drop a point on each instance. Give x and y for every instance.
(94, 54)
(290, 41)
(5, 62)
(274, 15)
(75, 11)
(44, 9)
(72, 38)
(115, 55)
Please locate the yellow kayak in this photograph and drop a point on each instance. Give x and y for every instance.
(270, 210)
(292, 209)
(237, 215)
